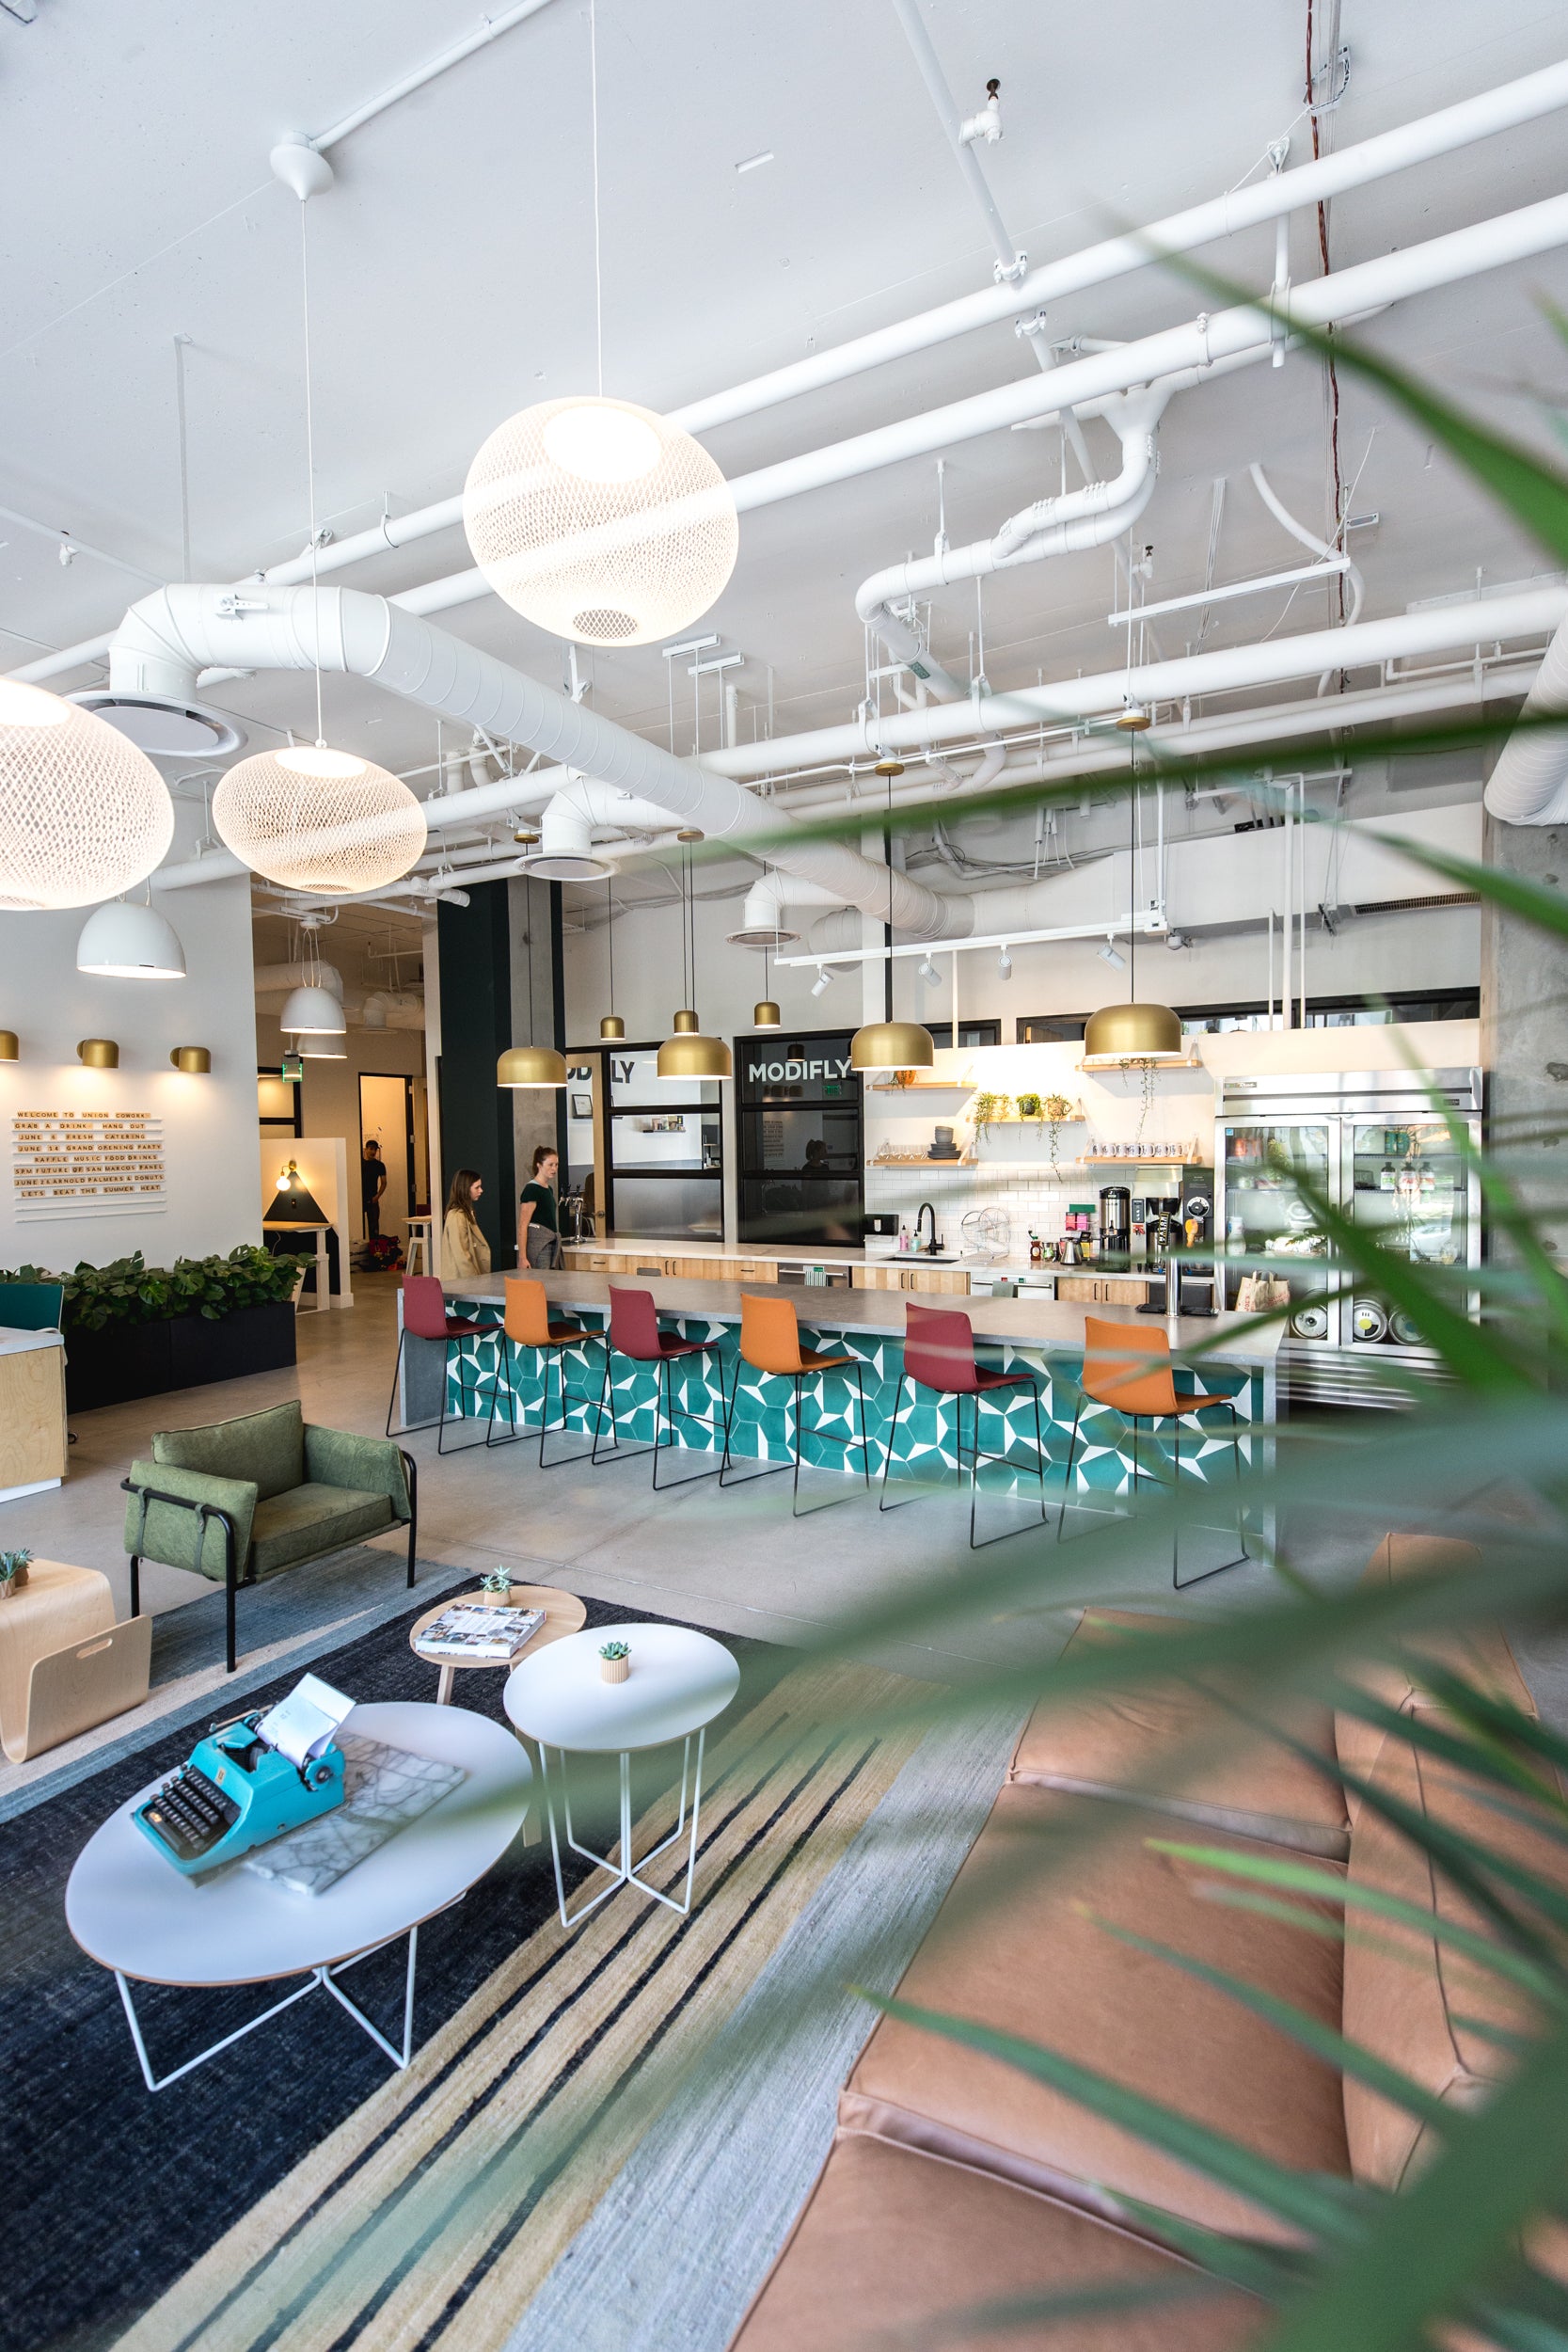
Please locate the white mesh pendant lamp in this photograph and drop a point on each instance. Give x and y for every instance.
(318, 819)
(83, 813)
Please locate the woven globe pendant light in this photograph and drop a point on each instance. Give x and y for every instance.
(600, 521)
(83, 813)
(318, 819)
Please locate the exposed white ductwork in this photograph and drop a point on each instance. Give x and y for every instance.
(1052, 526)
(394, 1009)
(277, 980)
(764, 922)
(571, 817)
(1530, 782)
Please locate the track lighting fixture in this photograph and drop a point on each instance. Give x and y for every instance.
(928, 970)
(1004, 965)
(822, 982)
(1108, 954)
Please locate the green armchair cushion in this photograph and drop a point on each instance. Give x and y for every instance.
(312, 1519)
(266, 1448)
(180, 1538)
(338, 1458)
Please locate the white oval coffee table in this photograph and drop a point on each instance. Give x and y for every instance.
(678, 1681)
(132, 1910)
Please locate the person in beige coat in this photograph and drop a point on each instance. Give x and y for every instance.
(465, 1252)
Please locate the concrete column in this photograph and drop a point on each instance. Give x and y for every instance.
(1524, 1016)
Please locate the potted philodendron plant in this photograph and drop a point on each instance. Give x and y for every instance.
(615, 1660)
(13, 1572)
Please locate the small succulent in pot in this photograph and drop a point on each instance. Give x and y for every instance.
(497, 1582)
(615, 1660)
(13, 1572)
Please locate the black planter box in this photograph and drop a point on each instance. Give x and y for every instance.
(128, 1361)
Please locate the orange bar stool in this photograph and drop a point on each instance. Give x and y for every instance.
(1129, 1368)
(527, 1325)
(426, 1317)
(770, 1342)
(634, 1332)
(939, 1353)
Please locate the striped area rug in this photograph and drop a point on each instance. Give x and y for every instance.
(432, 2213)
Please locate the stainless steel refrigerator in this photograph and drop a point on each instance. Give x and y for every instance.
(1372, 1143)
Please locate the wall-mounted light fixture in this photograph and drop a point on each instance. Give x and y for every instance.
(98, 1053)
(9, 1049)
(194, 1060)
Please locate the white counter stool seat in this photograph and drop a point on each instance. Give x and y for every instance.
(132, 1910)
(678, 1681)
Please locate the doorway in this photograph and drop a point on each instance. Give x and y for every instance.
(386, 1118)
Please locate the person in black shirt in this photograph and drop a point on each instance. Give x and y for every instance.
(372, 1183)
(538, 1215)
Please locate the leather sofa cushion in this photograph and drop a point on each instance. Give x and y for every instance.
(1016, 1947)
(1408, 1997)
(310, 1520)
(1114, 1743)
(889, 2239)
(266, 1448)
(1480, 1652)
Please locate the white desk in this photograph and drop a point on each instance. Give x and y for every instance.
(678, 1682)
(133, 1910)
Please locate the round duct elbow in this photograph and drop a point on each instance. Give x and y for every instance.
(565, 852)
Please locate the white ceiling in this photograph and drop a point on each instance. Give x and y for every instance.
(451, 283)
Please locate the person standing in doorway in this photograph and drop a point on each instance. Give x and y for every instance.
(372, 1183)
(465, 1252)
(538, 1212)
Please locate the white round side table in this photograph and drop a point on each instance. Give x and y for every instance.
(132, 1910)
(678, 1681)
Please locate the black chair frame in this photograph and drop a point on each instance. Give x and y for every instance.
(976, 1454)
(1238, 1430)
(231, 1580)
(551, 1350)
(458, 1339)
(666, 1413)
(824, 1436)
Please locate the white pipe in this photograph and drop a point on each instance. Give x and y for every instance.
(1323, 548)
(490, 28)
(279, 978)
(1532, 612)
(763, 919)
(1530, 782)
(1512, 104)
(393, 1008)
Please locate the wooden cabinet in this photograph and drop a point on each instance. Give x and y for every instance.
(897, 1274)
(32, 1417)
(1100, 1290)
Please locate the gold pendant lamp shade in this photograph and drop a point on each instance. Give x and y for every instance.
(892, 1045)
(194, 1060)
(612, 1027)
(530, 1066)
(766, 1015)
(686, 1053)
(1133, 1033)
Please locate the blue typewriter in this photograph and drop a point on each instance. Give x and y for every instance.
(250, 1780)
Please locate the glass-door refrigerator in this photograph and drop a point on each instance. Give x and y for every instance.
(799, 1106)
(1371, 1144)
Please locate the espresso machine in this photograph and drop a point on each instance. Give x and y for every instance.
(1116, 1221)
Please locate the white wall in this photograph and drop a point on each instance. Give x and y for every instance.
(329, 1091)
(208, 1123)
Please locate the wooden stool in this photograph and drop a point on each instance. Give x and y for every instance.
(64, 1664)
(416, 1256)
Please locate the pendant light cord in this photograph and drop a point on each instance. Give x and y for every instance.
(598, 264)
(311, 461)
(1132, 874)
(609, 904)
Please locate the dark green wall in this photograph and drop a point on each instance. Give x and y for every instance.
(475, 944)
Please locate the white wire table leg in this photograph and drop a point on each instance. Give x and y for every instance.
(326, 1977)
(626, 1872)
(570, 1919)
(669, 1901)
(161, 2082)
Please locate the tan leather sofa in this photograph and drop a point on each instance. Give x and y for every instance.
(955, 2181)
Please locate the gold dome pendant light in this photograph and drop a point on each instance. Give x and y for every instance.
(611, 1028)
(686, 1053)
(531, 1065)
(1134, 1031)
(765, 1013)
(890, 1044)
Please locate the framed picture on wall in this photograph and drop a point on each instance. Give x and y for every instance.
(582, 1106)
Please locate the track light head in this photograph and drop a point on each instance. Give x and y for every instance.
(929, 972)
(823, 981)
(1004, 965)
(1108, 954)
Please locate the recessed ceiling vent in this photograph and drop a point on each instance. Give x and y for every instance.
(164, 730)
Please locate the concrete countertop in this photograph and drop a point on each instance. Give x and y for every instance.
(1032, 1322)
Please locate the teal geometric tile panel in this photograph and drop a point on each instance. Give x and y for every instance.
(920, 1426)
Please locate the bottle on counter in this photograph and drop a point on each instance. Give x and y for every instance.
(1037, 1249)
(1387, 1179)
(903, 1241)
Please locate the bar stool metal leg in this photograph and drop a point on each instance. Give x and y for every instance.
(882, 1503)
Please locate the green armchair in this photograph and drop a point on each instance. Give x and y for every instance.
(243, 1500)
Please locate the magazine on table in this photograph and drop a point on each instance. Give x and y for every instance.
(476, 1629)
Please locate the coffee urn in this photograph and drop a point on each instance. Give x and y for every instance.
(1116, 1220)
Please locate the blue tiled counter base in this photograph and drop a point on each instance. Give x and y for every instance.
(922, 1426)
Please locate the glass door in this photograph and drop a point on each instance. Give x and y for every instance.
(1265, 1216)
(1408, 1187)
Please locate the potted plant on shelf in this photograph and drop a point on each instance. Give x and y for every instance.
(1056, 1109)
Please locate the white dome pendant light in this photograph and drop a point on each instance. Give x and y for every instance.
(83, 813)
(313, 1014)
(309, 817)
(124, 942)
(595, 518)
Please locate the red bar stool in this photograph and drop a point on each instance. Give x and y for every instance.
(634, 1332)
(770, 1342)
(939, 1353)
(526, 1323)
(1129, 1368)
(426, 1317)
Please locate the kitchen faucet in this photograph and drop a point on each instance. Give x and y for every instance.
(925, 1210)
